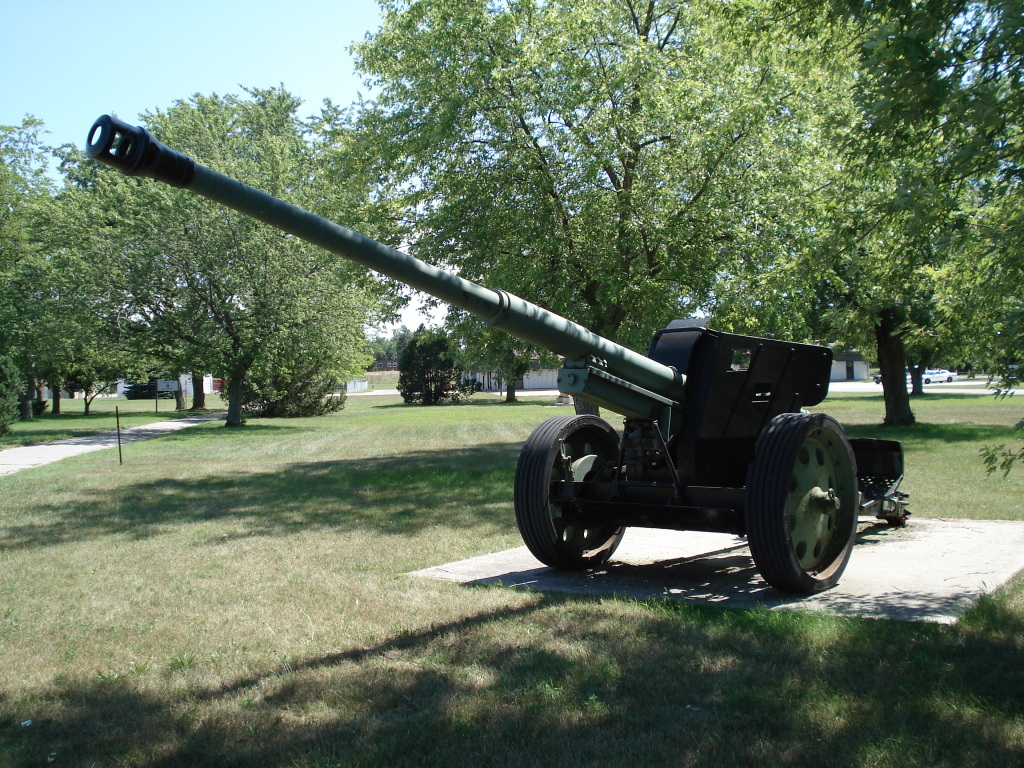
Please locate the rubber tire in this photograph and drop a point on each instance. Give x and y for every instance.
(769, 506)
(556, 540)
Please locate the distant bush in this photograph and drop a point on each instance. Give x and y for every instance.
(11, 385)
(316, 396)
(429, 373)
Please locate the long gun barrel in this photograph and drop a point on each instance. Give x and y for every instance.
(626, 382)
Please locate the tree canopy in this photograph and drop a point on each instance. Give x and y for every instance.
(199, 286)
(939, 136)
(603, 159)
(23, 185)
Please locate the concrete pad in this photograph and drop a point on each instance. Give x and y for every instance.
(932, 570)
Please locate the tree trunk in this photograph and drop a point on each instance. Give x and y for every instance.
(198, 395)
(583, 408)
(916, 373)
(892, 360)
(25, 398)
(55, 408)
(510, 392)
(179, 397)
(234, 417)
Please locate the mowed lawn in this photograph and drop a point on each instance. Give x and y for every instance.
(105, 415)
(238, 598)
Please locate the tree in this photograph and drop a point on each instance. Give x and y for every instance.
(390, 348)
(11, 381)
(23, 183)
(603, 159)
(428, 370)
(300, 376)
(195, 283)
(507, 357)
(939, 136)
(24, 189)
(56, 307)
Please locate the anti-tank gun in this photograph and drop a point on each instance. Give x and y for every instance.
(715, 437)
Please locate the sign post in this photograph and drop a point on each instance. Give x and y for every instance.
(165, 385)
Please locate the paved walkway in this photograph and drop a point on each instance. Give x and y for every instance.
(14, 459)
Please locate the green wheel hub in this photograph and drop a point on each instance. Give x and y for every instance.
(817, 488)
(801, 502)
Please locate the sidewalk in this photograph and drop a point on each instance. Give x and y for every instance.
(14, 459)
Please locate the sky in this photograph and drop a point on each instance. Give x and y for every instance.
(66, 63)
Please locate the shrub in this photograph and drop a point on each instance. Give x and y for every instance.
(313, 397)
(428, 372)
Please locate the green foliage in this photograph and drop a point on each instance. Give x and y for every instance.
(300, 371)
(202, 288)
(292, 399)
(23, 184)
(999, 458)
(605, 163)
(428, 370)
(390, 348)
(935, 159)
(302, 382)
(12, 382)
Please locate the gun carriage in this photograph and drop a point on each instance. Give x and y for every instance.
(714, 436)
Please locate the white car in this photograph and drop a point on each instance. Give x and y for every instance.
(937, 375)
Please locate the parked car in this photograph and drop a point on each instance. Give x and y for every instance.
(936, 375)
(878, 378)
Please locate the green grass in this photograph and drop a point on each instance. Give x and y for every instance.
(72, 421)
(237, 597)
(944, 473)
(382, 379)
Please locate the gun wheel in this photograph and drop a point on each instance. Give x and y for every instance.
(573, 448)
(801, 502)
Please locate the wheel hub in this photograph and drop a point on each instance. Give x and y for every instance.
(827, 501)
(814, 503)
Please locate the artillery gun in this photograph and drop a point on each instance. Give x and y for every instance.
(714, 437)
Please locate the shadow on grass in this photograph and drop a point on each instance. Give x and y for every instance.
(923, 433)
(928, 396)
(568, 681)
(399, 494)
